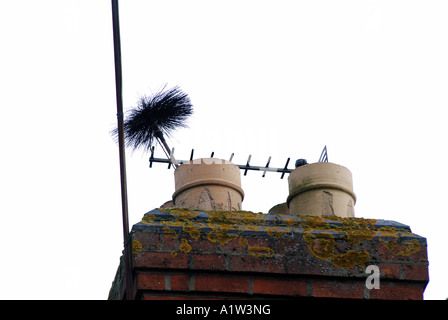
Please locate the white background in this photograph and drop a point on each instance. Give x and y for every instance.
(269, 78)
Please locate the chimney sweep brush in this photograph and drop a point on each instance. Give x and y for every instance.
(155, 117)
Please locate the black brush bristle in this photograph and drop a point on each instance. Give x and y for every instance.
(158, 114)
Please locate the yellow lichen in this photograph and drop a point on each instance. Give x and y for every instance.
(390, 237)
(358, 229)
(404, 248)
(290, 221)
(387, 231)
(313, 222)
(219, 217)
(136, 246)
(239, 218)
(277, 232)
(148, 218)
(242, 241)
(260, 252)
(193, 230)
(175, 223)
(320, 244)
(318, 232)
(350, 259)
(254, 228)
(359, 223)
(183, 214)
(221, 236)
(356, 236)
(169, 232)
(184, 246)
(245, 217)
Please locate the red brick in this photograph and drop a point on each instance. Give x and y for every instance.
(161, 260)
(287, 247)
(311, 266)
(397, 291)
(234, 246)
(388, 271)
(149, 241)
(221, 284)
(146, 281)
(202, 245)
(418, 272)
(280, 287)
(209, 261)
(179, 282)
(170, 242)
(270, 265)
(381, 252)
(334, 289)
(259, 241)
(255, 264)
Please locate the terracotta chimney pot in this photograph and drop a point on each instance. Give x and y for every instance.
(208, 184)
(321, 189)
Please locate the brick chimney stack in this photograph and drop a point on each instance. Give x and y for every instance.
(202, 246)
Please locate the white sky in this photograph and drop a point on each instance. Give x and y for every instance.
(269, 78)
